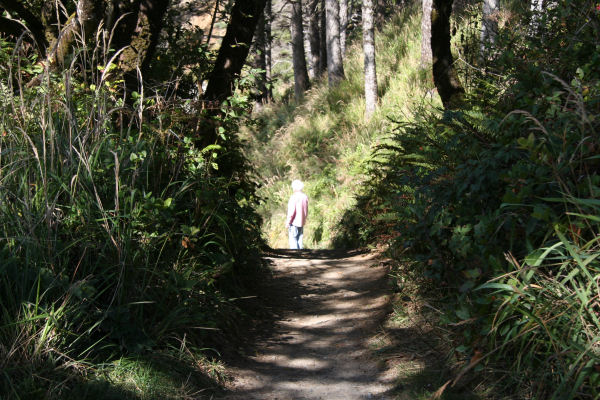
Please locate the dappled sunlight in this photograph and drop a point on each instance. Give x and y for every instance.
(333, 302)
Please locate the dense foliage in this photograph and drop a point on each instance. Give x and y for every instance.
(497, 204)
(120, 237)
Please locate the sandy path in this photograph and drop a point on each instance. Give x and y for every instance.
(330, 305)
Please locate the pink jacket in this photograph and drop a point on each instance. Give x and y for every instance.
(297, 209)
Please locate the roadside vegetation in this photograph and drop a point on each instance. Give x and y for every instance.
(123, 247)
(493, 207)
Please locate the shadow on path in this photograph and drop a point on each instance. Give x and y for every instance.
(331, 335)
(316, 254)
(327, 305)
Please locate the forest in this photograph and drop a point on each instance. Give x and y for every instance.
(147, 149)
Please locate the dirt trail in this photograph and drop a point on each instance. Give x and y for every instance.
(330, 305)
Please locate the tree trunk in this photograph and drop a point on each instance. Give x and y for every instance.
(489, 25)
(298, 53)
(426, 58)
(143, 41)
(81, 24)
(314, 36)
(335, 66)
(261, 60)
(343, 24)
(268, 46)
(323, 36)
(369, 50)
(234, 48)
(212, 22)
(445, 76)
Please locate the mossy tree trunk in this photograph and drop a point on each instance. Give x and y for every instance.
(81, 25)
(137, 25)
(141, 42)
(445, 76)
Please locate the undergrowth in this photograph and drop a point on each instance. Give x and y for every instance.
(122, 244)
(494, 208)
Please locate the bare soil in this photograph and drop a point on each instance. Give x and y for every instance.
(329, 305)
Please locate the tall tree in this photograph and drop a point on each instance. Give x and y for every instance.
(335, 66)
(314, 36)
(489, 24)
(369, 50)
(426, 57)
(234, 48)
(323, 35)
(268, 49)
(212, 22)
(301, 82)
(445, 76)
(343, 24)
(143, 40)
(260, 59)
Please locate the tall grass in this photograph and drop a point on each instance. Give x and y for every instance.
(119, 237)
(549, 310)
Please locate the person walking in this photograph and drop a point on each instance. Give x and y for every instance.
(296, 215)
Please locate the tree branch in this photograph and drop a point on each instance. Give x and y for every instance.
(12, 27)
(34, 24)
(234, 48)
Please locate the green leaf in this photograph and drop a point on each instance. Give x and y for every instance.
(465, 287)
(594, 218)
(536, 257)
(496, 285)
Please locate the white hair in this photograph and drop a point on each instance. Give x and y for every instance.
(297, 185)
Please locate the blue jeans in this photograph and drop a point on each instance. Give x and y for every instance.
(296, 233)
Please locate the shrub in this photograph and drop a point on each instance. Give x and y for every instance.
(120, 235)
(495, 204)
